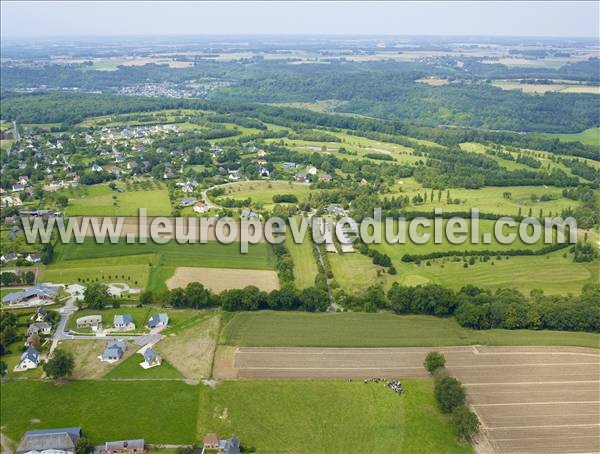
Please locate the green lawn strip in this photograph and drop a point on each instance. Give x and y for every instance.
(157, 411)
(130, 368)
(305, 265)
(297, 329)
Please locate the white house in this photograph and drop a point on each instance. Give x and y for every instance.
(123, 322)
(114, 351)
(96, 168)
(151, 359)
(29, 359)
(158, 320)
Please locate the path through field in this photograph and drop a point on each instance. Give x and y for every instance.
(529, 399)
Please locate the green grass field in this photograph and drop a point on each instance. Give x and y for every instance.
(268, 416)
(158, 260)
(328, 417)
(158, 411)
(590, 136)
(297, 329)
(491, 199)
(262, 192)
(553, 273)
(305, 265)
(100, 200)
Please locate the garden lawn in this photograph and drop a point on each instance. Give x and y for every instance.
(130, 368)
(298, 329)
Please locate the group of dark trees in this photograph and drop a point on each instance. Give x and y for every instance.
(477, 308)
(250, 298)
(8, 278)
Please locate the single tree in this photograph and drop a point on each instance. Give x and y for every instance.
(60, 365)
(434, 361)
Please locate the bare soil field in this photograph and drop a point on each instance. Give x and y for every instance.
(219, 279)
(529, 399)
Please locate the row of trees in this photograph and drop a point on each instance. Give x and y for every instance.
(477, 308)
(450, 396)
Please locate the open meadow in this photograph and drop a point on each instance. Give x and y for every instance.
(101, 200)
(297, 329)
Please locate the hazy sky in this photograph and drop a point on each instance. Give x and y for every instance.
(48, 18)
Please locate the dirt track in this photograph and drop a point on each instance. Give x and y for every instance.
(529, 399)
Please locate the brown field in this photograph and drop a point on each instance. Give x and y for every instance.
(131, 226)
(433, 81)
(547, 88)
(219, 279)
(529, 399)
(191, 350)
(86, 352)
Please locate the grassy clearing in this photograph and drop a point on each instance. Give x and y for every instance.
(190, 349)
(491, 199)
(328, 417)
(305, 265)
(296, 329)
(262, 192)
(100, 200)
(589, 136)
(553, 273)
(158, 411)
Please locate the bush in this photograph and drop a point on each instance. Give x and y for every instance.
(434, 361)
(449, 394)
(465, 422)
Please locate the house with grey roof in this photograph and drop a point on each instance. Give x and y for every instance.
(90, 321)
(40, 315)
(123, 322)
(29, 359)
(121, 447)
(37, 294)
(55, 441)
(39, 328)
(158, 320)
(151, 358)
(114, 351)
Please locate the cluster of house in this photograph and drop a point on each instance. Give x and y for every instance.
(197, 206)
(222, 446)
(64, 441)
(31, 257)
(30, 358)
(37, 295)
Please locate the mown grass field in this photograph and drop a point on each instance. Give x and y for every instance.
(553, 273)
(157, 262)
(328, 417)
(158, 411)
(262, 192)
(100, 200)
(305, 265)
(297, 329)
